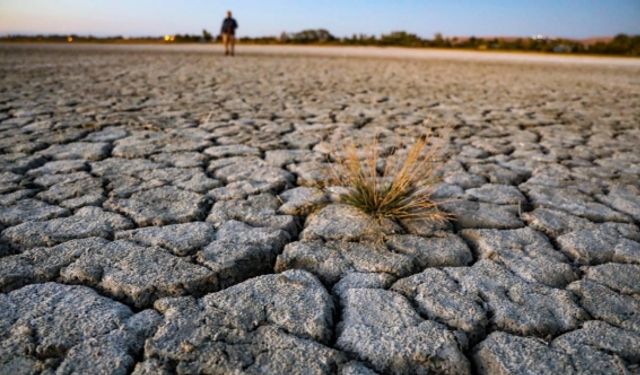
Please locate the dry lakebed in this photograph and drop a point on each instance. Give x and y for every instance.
(161, 213)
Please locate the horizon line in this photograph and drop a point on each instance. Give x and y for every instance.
(103, 35)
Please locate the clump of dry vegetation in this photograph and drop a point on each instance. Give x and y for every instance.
(400, 190)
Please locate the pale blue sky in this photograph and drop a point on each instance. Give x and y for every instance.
(568, 18)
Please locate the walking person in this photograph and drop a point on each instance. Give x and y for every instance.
(228, 31)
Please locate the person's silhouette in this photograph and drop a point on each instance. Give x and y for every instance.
(228, 31)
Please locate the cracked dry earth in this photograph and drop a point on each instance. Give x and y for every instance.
(157, 217)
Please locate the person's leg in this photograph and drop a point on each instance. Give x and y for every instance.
(233, 44)
(225, 41)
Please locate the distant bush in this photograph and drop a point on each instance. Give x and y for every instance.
(206, 35)
(308, 36)
(401, 38)
(622, 44)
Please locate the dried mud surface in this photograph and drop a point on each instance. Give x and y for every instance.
(159, 213)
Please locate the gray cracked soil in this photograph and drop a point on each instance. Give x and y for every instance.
(158, 215)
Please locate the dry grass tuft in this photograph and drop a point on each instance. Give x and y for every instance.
(401, 191)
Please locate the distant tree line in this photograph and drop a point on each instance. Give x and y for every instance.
(621, 44)
(206, 36)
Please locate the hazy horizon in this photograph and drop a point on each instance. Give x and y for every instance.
(563, 18)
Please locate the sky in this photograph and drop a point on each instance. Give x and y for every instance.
(561, 18)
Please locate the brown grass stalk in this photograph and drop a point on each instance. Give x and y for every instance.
(402, 191)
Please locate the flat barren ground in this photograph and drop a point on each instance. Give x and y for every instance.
(160, 213)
